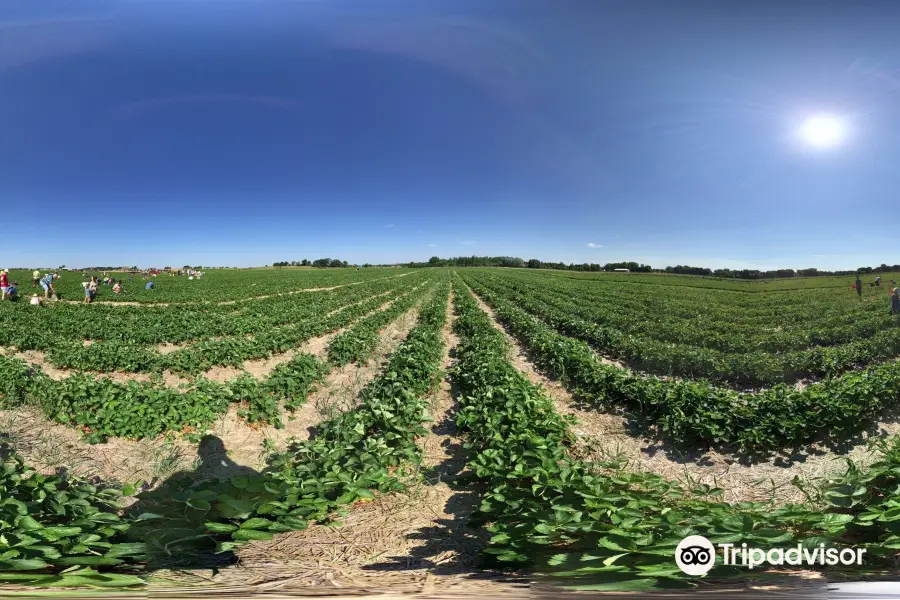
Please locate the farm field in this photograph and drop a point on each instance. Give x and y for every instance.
(217, 285)
(459, 429)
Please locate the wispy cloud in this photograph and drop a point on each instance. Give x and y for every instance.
(430, 245)
(29, 41)
(468, 242)
(389, 225)
(593, 245)
(142, 106)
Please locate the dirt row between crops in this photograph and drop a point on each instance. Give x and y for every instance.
(259, 368)
(169, 347)
(412, 542)
(605, 436)
(798, 385)
(229, 302)
(46, 445)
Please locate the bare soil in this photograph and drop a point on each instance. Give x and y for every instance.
(48, 446)
(259, 368)
(340, 391)
(169, 347)
(412, 542)
(36, 357)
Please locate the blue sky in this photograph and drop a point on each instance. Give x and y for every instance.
(246, 132)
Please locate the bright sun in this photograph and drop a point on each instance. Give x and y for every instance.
(823, 131)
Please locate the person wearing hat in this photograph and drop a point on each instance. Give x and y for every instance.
(35, 278)
(4, 283)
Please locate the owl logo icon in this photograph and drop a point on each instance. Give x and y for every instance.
(695, 555)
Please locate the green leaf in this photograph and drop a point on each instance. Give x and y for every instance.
(88, 560)
(28, 523)
(56, 533)
(147, 516)
(255, 523)
(251, 534)
(23, 564)
(199, 504)
(220, 527)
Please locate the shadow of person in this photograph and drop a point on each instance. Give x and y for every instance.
(214, 461)
(448, 545)
(172, 518)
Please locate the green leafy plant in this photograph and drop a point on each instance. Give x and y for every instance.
(699, 414)
(53, 531)
(598, 526)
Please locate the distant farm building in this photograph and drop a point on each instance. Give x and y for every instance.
(622, 270)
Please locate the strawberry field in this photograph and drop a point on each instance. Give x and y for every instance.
(745, 372)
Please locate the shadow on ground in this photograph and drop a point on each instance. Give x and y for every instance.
(451, 545)
(170, 518)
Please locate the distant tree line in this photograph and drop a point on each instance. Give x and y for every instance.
(116, 268)
(515, 262)
(519, 263)
(321, 263)
(787, 273)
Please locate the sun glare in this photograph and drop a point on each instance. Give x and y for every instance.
(823, 131)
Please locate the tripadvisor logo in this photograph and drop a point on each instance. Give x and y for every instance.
(695, 555)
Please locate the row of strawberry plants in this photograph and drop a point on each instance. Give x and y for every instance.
(748, 368)
(697, 413)
(202, 356)
(602, 526)
(753, 299)
(101, 408)
(28, 328)
(217, 285)
(139, 325)
(288, 386)
(358, 343)
(236, 350)
(352, 456)
(366, 450)
(766, 317)
(762, 287)
(781, 334)
(55, 530)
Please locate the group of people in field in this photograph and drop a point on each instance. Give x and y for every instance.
(894, 292)
(10, 290)
(90, 287)
(93, 283)
(47, 281)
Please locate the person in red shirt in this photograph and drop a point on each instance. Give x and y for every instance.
(4, 283)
